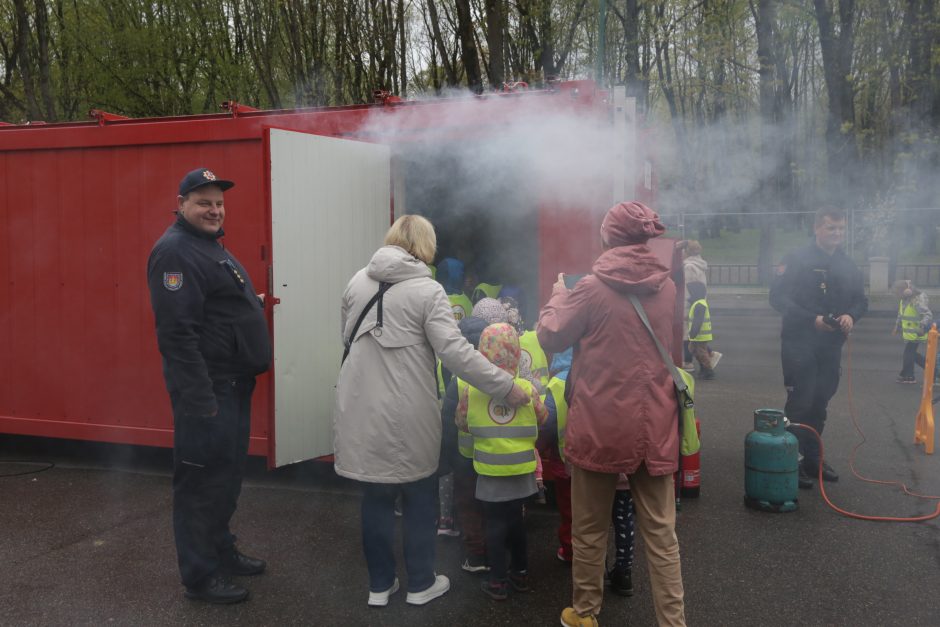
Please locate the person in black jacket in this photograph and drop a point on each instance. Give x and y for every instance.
(213, 335)
(821, 294)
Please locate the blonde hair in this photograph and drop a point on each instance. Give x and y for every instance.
(416, 235)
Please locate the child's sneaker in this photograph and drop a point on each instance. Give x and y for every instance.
(716, 357)
(475, 564)
(563, 556)
(540, 496)
(519, 581)
(496, 590)
(446, 528)
(688, 366)
(621, 581)
(909, 380)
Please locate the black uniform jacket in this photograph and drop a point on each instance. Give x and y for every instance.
(210, 323)
(812, 283)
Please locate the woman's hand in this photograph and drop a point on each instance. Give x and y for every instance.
(517, 397)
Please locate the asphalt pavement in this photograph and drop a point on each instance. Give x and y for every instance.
(89, 541)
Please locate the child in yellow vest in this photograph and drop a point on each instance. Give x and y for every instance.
(505, 460)
(913, 322)
(699, 323)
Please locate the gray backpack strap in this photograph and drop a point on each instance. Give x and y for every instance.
(676, 377)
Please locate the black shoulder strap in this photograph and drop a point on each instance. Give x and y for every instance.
(376, 298)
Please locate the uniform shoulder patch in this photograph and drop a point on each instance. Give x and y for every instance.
(172, 280)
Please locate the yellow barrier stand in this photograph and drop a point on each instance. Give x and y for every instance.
(923, 427)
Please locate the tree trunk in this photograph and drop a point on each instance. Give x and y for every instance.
(547, 47)
(23, 60)
(438, 40)
(495, 41)
(402, 50)
(837, 52)
(468, 47)
(45, 63)
(637, 85)
(765, 18)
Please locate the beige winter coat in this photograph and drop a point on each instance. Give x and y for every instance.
(387, 422)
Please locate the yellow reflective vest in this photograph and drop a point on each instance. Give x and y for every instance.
(910, 323)
(441, 388)
(534, 356)
(485, 290)
(556, 387)
(705, 333)
(460, 305)
(503, 437)
(464, 439)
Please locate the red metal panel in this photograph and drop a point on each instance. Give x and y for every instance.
(23, 289)
(6, 292)
(82, 204)
(80, 324)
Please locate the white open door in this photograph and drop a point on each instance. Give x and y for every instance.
(330, 209)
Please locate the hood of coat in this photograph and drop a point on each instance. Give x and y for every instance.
(696, 262)
(391, 264)
(631, 270)
(472, 327)
(499, 343)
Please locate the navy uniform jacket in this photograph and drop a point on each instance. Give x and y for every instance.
(210, 323)
(812, 283)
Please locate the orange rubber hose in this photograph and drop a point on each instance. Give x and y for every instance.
(904, 488)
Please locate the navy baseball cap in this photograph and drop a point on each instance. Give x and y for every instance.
(201, 177)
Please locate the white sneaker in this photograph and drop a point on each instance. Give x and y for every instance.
(688, 366)
(380, 599)
(716, 357)
(438, 588)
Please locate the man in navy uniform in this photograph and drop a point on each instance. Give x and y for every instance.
(821, 294)
(213, 335)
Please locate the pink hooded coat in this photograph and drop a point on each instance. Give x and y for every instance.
(622, 407)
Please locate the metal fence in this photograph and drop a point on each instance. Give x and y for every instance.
(726, 274)
(744, 275)
(731, 241)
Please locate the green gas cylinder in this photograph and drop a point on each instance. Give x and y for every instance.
(771, 463)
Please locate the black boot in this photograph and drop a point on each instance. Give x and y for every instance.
(621, 581)
(238, 564)
(804, 479)
(217, 588)
(828, 474)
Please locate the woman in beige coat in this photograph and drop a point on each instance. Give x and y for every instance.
(386, 424)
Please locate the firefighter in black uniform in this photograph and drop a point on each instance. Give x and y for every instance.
(821, 295)
(213, 335)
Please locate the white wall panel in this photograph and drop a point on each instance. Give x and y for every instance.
(330, 202)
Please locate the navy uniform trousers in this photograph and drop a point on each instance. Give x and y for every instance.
(811, 373)
(209, 455)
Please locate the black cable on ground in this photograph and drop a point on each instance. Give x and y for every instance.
(46, 466)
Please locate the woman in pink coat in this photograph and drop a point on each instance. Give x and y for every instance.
(623, 413)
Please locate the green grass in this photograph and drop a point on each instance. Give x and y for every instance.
(741, 247)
